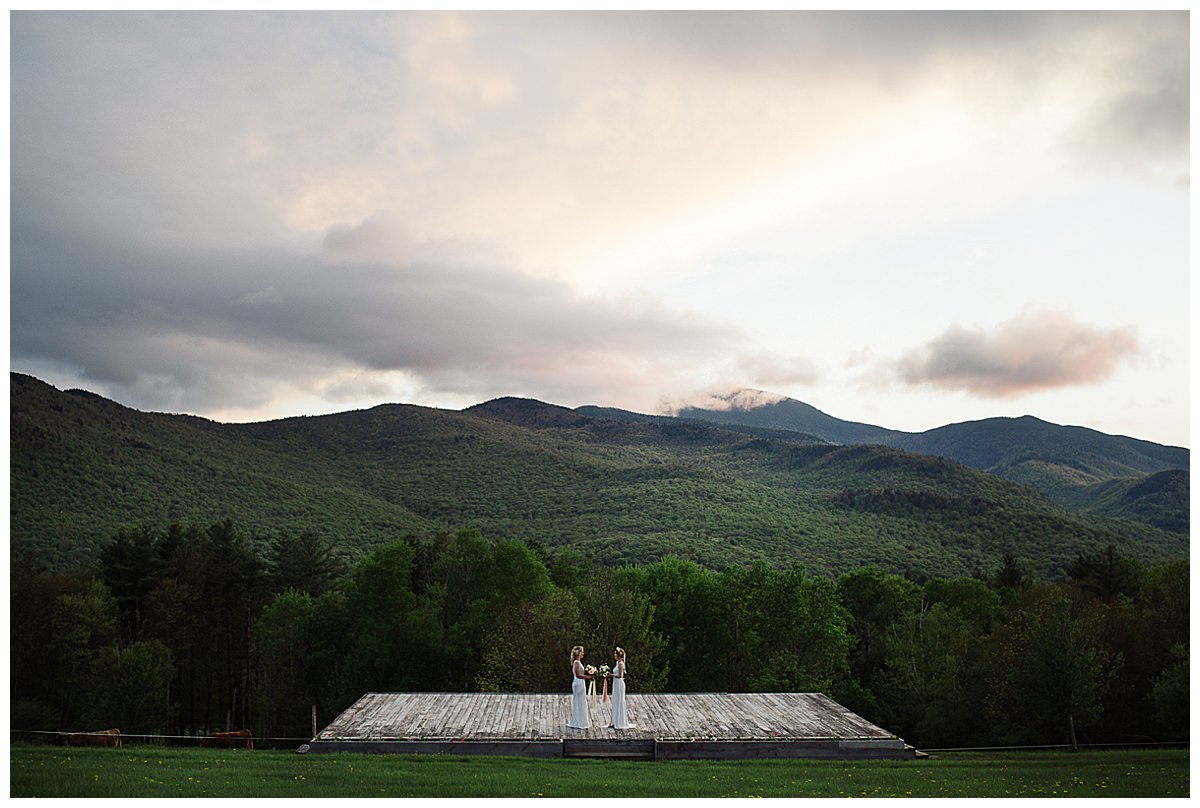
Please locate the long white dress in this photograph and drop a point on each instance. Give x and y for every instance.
(619, 719)
(579, 705)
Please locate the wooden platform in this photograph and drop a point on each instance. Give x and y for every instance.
(668, 725)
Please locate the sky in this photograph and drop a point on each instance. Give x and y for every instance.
(907, 219)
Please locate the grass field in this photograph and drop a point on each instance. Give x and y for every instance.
(153, 771)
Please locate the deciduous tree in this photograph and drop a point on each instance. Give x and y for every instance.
(528, 649)
(1048, 671)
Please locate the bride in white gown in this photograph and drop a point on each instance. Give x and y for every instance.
(579, 705)
(619, 719)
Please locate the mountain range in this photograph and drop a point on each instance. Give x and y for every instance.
(1083, 468)
(608, 485)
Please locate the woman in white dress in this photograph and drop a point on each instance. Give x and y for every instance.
(619, 719)
(579, 705)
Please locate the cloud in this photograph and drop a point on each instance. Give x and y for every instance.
(570, 137)
(1139, 110)
(1115, 84)
(229, 330)
(1032, 352)
(261, 297)
(216, 210)
(771, 370)
(722, 400)
(740, 381)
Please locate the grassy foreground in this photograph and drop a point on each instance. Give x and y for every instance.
(151, 771)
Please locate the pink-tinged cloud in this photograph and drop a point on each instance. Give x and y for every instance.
(721, 400)
(742, 379)
(1031, 352)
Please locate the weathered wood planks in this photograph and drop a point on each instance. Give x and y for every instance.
(663, 716)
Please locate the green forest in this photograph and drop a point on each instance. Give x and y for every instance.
(618, 492)
(180, 629)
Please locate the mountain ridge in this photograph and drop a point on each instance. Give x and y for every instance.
(790, 414)
(1069, 464)
(614, 491)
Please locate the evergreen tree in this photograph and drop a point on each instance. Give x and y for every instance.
(304, 563)
(1106, 573)
(131, 566)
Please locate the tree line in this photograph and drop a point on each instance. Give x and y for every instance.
(184, 629)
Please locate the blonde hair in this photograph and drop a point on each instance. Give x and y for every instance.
(576, 652)
(620, 652)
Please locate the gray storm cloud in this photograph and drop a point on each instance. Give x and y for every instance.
(221, 329)
(210, 207)
(1032, 352)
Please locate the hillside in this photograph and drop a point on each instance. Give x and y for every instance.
(1071, 465)
(1162, 499)
(614, 490)
(615, 414)
(996, 444)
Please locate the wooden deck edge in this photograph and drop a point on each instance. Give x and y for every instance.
(538, 749)
(781, 749)
(633, 749)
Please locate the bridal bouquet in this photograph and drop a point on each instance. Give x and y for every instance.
(603, 673)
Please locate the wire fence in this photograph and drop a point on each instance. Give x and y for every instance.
(155, 739)
(1059, 746)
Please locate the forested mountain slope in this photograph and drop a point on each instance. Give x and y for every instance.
(995, 444)
(1071, 465)
(616, 491)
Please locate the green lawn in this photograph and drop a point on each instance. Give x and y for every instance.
(152, 771)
